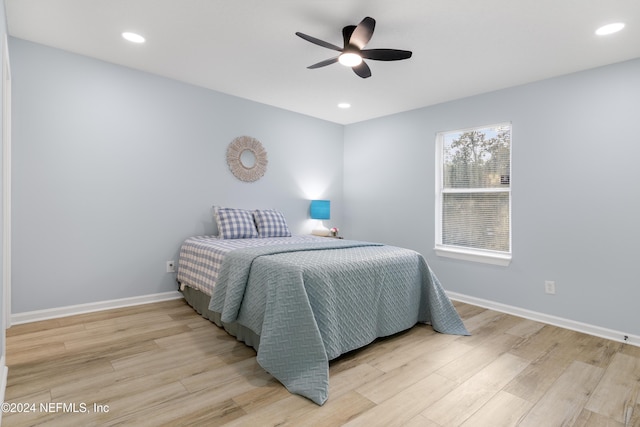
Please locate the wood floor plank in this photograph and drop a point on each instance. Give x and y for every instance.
(53, 370)
(480, 319)
(555, 349)
(127, 404)
(474, 393)
(36, 352)
(540, 375)
(46, 336)
(542, 342)
(493, 326)
(387, 360)
(595, 351)
(148, 332)
(281, 412)
(199, 338)
(493, 412)
(115, 313)
(467, 311)
(23, 329)
(406, 403)
(193, 410)
(618, 393)
(157, 358)
(463, 368)
(336, 412)
(40, 380)
(360, 356)
(591, 419)
(129, 321)
(386, 386)
(261, 396)
(564, 401)
(246, 367)
(350, 379)
(130, 383)
(420, 421)
(525, 328)
(630, 350)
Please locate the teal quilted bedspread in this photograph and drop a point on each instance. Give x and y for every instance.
(310, 303)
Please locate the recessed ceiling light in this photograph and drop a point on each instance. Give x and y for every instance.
(344, 105)
(133, 37)
(610, 29)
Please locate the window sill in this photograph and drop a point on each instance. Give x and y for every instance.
(486, 257)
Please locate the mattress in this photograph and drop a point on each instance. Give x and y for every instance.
(201, 256)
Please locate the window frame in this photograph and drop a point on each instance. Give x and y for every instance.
(501, 258)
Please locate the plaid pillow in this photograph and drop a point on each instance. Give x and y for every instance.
(235, 223)
(271, 223)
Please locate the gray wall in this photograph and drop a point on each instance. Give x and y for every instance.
(576, 200)
(113, 168)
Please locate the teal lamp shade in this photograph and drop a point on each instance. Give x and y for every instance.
(320, 209)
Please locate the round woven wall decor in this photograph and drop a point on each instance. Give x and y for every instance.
(247, 158)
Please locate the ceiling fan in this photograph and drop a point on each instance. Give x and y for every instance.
(353, 52)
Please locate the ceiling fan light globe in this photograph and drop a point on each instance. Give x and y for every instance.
(350, 59)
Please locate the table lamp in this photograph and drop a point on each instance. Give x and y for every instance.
(320, 210)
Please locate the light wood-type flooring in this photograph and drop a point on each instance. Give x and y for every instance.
(162, 364)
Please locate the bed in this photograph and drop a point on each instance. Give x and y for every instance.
(302, 301)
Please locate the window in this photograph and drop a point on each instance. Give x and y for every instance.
(473, 189)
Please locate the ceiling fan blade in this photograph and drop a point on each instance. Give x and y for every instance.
(385, 54)
(363, 32)
(318, 42)
(362, 70)
(346, 34)
(323, 63)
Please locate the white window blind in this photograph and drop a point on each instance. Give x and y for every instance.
(473, 187)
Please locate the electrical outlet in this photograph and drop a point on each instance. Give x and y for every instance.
(171, 266)
(550, 287)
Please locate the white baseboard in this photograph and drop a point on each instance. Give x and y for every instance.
(551, 320)
(70, 310)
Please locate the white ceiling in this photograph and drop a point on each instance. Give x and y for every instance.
(248, 48)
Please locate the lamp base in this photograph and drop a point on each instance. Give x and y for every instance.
(320, 230)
